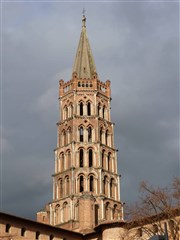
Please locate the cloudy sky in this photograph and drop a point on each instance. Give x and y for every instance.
(135, 45)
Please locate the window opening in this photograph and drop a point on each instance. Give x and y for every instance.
(101, 135)
(103, 159)
(8, 226)
(71, 110)
(67, 186)
(109, 161)
(107, 137)
(81, 184)
(81, 109)
(61, 187)
(81, 134)
(111, 186)
(81, 158)
(103, 112)
(99, 110)
(89, 109)
(66, 112)
(89, 134)
(90, 158)
(51, 237)
(37, 235)
(23, 230)
(91, 184)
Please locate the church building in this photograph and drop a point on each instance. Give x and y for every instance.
(86, 184)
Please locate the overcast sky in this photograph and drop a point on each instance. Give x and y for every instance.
(135, 45)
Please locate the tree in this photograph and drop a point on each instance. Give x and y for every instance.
(156, 207)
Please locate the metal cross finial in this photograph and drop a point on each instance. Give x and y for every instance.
(83, 18)
(83, 12)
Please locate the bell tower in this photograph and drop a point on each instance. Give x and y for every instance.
(86, 184)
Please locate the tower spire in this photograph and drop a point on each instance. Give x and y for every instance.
(84, 65)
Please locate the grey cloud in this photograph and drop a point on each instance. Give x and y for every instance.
(135, 45)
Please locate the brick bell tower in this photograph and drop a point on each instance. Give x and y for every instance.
(86, 184)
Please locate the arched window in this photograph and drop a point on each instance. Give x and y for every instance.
(68, 135)
(8, 226)
(81, 185)
(76, 211)
(103, 112)
(90, 158)
(106, 137)
(105, 186)
(139, 232)
(89, 109)
(101, 133)
(65, 112)
(109, 162)
(65, 212)
(107, 211)
(57, 217)
(51, 237)
(63, 138)
(60, 188)
(103, 160)
(62, 162)
(68, 162)
(71, 110)
(91, 187)
(99, 107)
(67, 185)
(115, 212)
(81, 157)
(89, 134)
(112, 188)
(37, 235)
(23, 231)
(81, 109)
(155, 228)
(81, 134)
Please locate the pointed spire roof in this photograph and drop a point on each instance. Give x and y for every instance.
(84, 65)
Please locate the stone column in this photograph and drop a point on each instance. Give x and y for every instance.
(85, 109)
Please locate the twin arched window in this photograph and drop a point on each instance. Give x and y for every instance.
(63, 187)
(67, 111)
(102, 111)
(111, 186)
(82, 183)
(85, 136)
(81, 109)
(104, 137)
(107, 161)
(81, 157)
(64, 161)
